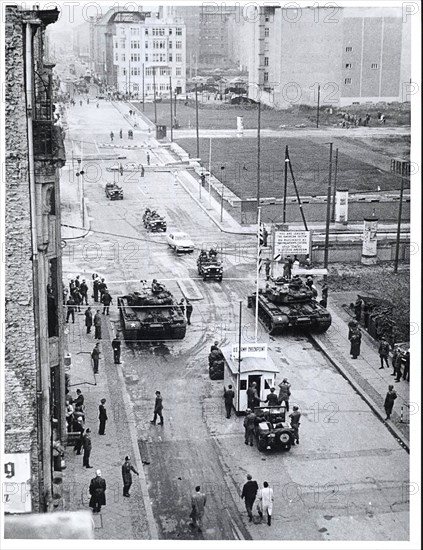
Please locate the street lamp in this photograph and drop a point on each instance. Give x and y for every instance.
(81, 182)
(222, 168)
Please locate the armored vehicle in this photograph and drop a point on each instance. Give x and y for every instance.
(151, 314)
(114, 192)
(290, 303)
(209, 267)
(153, 222)
(216, 365)
(271, 430)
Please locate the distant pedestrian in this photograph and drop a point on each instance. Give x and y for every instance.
(249, 425)
(83, 289)
(389, 401)
(396, 357)
(95, 356)
(70, 309)
(76, 295)
(355, 341)
(228, 396)
(97, 105)
(78, 427)
(158, 408)
(102, 287)
(148, 158)
(266, 502)
(406, 362)
(102, 416)
(127, 468)
(182, 306)
(284, 393)
(198, 503)
(96, 282)
(142, 171)
(98, 493)
(120, 133)
(352, 325)
(383, 352)
(88, 319)
(77, 281)
(203, 180)
(295, 424)
(325, 290)
(112, 135)
(116, 345)
(80, 102)
(97, 325)
(87, 444)
(357, 308)
(249, 493)
(272, 398)
(106, 300)
(398, 365)
(366, 315)
(267, 266)
(189, 309)
(79, 401)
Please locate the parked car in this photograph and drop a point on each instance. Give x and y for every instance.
(180, 242)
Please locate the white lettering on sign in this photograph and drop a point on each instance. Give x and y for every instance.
(292, 242)
(250, 350)
(17, 487)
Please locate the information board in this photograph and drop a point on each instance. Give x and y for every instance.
(289, 243)
(250, 350)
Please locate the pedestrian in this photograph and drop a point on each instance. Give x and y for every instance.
(406, 361)
(97, 325)
(79, 401)
(148, 158)
(87, 444)
(198, 502)
(366, 315)
(127, 468)
(253, 399)
(272, 398)
(249, 493)
(267, 265)
(142, 171)
(77, 282)
(70, 304)
(189, 311)
(76, 295)
(69, 416)
(106, 300)
(295, 424)
(88, 319)
(389, 401)
(80, 102)
(120, 133)
(102, 287)
(158, 408)
(249, 425)
(203, 179)
(266, 502)
(352, 325)
(383, 352)
(97, 105)
(83, 289)
(112, 135)
(357, 308)
(96, 282)
(284, 393)
(398, 365)
(355, 343)
(102, 416)
(181, 305)
(97, 492)
(228, 396)
(95, 356)
(78, 427)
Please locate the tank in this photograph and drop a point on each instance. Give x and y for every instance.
(151, 315)
(283, 304)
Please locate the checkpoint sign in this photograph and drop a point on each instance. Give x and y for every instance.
(289, 243)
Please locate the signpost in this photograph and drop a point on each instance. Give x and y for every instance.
(292, 242)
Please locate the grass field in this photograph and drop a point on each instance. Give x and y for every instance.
(309, 160)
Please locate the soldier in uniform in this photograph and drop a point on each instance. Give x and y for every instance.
(228, 396)
(253, 399)
(97, 325)
(158, 407)
(127, 468)
(83, 289)
(71, 309)
(272, 398)
(106, 300)
(295, 424)
(116, 345)
(249, 424)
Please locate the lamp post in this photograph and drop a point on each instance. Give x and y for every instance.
(80, 174)
(174, 107)
(222, 168)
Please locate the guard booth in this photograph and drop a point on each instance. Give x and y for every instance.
(160, 131)
(256, 366)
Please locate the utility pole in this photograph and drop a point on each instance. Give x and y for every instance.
(285, 185)
(143, 88)
(335, 178)
(328, 209)
(154, 91)
(318, 105)
(258, 156)
(222, 168)
(174, 105)
(196, 122)
(171, 111)
(401, 167)
(239, 353)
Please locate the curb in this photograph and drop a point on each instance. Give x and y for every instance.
(374, 407)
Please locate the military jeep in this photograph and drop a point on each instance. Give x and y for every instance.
(271, 430)
(114, 192)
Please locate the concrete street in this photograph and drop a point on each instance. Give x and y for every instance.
(347, 480)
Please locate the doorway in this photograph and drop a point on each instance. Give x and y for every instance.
(257, 379)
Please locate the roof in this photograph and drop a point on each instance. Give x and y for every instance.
(249, 364)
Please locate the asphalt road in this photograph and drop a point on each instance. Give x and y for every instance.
(347, 479)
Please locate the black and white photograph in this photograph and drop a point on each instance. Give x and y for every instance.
(211, 274)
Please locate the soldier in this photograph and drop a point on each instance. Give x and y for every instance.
(249, 424)
(284, 393)
(189, 309)
(383, 352)
(102, 287)
(71, 309)
(158, 407)
(88, 319)
(355, 340)
(389, 401)
(87, 444)
(228, 396)
(116, 345)
(83, 289)
(271, 398)
(97, 325)
(77, 299)
(95, 356)
(127, 468)
(267, 265)
(96, 282)
(253, 399)
(102, 416)
(77, 282)
(106, 300)
(295, 424)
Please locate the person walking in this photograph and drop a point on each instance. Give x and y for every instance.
(355, 340)
(106, 300)
(102, 417)
(284, 393)
(127, 468)
(295, 424)
(87, 445)
(249, 425)
(158, 408)
(389, 401)
(228, 396)
(272, 398)
(98, 492)
(83, 289)
(88, 319)
(249, 493)
(266, 502)
(97, 325)
(189, 311)
(112, 135)
(383, 352)
(121, 133)
(148, 158)
(198, 503)
(70, 304)
(95, 356)
(116, 345)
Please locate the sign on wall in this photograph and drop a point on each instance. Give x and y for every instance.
(250, 350)
(17, 483)
(288, 243)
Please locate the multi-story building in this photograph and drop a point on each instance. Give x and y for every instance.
(34, 371)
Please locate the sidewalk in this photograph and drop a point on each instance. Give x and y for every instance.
(363, 373)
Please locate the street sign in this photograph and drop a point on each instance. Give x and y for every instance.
(292, 242)
(250, 350)
(17, 483)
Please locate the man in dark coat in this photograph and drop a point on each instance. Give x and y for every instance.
(102, 287)
(249, 424)
(284, 393)
(295, 424)
(88, 319)
(78, 427)
(106, 300)
(272, 398)
(76, 295)
(116, 345)
(97, 492)
(228, 396)
(158, 407)
(71, 309)
(97, 325)
(96, 282)
(95, 356)
(389, 401)
(249, 492)
(406, 361)
(383, 352)
(189, 311)
(83, 289)
(102, 416)
(355, 340)
(87, 444)
(127, 468)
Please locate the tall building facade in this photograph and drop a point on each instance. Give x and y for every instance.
(34, 370)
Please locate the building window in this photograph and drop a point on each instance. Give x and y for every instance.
(266, 77)
(146, 56)
(178, 71)
(146, 45)
(178, 58)
(135, 57)
(123, 57)
(149, 71)
(135, 44)
(122, 43)
(374, 66)
(348, 65)
(266, 61)
(146, 32)
(178, 45)
(116, 44)
(170, 32)
(178, 31)
(163, 71)
(348, 49)
(116, 57)
(122, 31)
(135, 31)
(170, 58)
(135, 71)
(170, 44)
(348, 81)
(266, 32)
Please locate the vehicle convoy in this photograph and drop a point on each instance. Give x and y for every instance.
(271, 430)
(151, 314)
(209, 267)
(153, 221)
(114, 192)
(290, 303)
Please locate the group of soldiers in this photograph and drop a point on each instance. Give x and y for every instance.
(78, 294)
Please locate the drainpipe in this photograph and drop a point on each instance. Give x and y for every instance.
(43, 374)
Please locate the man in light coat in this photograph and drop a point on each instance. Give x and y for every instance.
(266, 502)
(198, 503)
